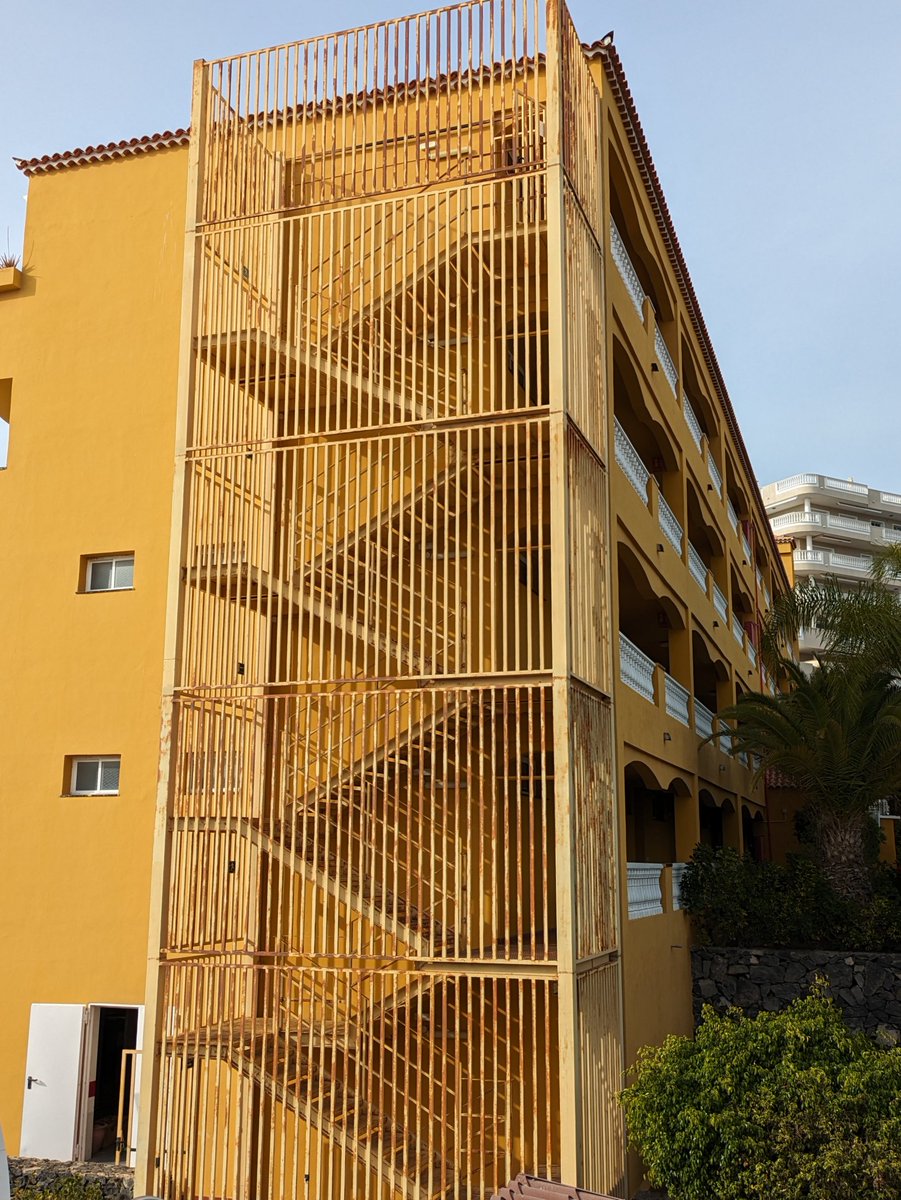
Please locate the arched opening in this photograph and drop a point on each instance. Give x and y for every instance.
(650, 817)
(646, 435)
(710, 819)
(753, 833)
(629, 228)
(709, 672)
(645, 618)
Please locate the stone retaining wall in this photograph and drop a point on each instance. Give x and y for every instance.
(116, 1183)
(866, 986)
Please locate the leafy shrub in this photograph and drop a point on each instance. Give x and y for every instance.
(785, 1106)
(735, 901)
(71, 1188)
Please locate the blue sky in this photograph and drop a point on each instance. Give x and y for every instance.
(775, 127)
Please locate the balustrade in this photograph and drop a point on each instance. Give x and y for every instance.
(645, 894)
(669, 524)
(704, 719)
(627, 271)
(665, 359)
(678, 871)
(698, 568)
(715, 476)
(636, 670)
(720, 603)
(676, 697)
(629, 460)
(694, 425)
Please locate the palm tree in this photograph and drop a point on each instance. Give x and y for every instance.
(836, 731)
(860, 625)
(837, 735)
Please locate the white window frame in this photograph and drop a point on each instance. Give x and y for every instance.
(113, 560)
(94, 758)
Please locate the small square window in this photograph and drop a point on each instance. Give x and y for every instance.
(113, 573)
(95, 776)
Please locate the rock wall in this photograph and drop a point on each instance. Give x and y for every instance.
(116, 1183)
(866, 986)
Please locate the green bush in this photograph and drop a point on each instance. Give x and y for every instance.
(735, 901)
(71, 1188)
(787, 1106)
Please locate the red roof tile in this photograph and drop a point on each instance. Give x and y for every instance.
(124, 149)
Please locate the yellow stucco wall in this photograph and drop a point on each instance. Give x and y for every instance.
(90, 343)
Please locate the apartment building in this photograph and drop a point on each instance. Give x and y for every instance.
(416, 495)
(836, 525)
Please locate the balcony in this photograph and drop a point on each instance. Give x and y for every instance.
(636, 670)
(669, 524)
(644, 891)
(698, 568)
(738, 630)
(705, 720)
(746, 545)
(676, 697)
(733, 515)
(857, 493)
(691, 420)
(678, 871)
(665, 359)
(627, 272)
(630, 462)
(833, 560)
(715, 476)
(817, 519)
(720, 603)
(796, 481)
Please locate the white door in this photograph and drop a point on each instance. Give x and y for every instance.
(132, 1134)
(52, 1081)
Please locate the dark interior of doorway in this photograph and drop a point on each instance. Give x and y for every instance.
(118, 1032)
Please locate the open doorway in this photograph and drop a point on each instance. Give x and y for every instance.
(107, 1081)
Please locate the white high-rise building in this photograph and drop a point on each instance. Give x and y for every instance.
(837, 525)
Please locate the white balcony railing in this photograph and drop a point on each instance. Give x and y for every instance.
(733, 515)
(752, 652)
(677, 700)
(746, 545)
(794, 481)
(846, 485)
(645, 895)
(890, 498)
(678, 870)
(850, 562)
(691, 420)
(698, 568)
(758, 575)
(627, 271)
(669, 524)
(790, 519)
(704, 719)
(630, 461)
(720, 603)
(856, 563)
(665, 359)
(636, 670)
(715, 476)
(849, 524)
(809, 556)
(738, 630)
(891, 535)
